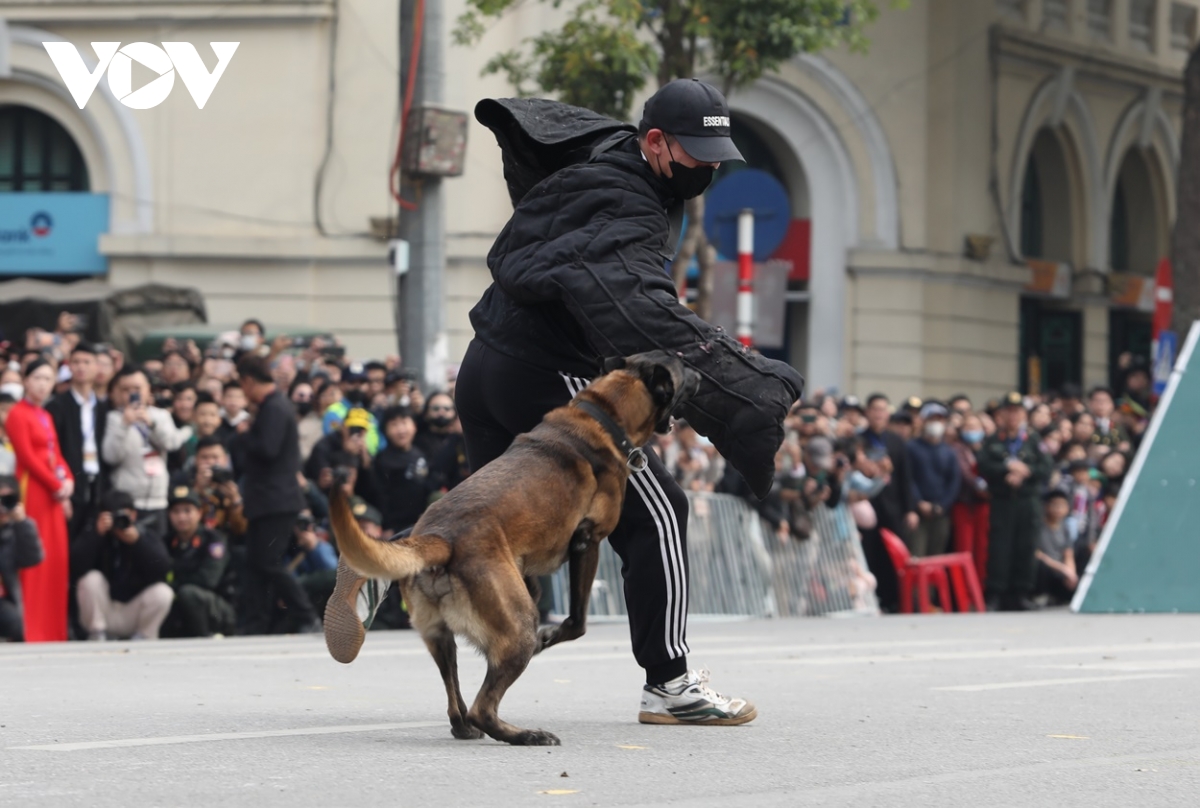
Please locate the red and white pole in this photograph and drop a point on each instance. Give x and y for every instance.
(745, 298)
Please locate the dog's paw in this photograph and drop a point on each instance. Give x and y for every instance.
(466, 732)
(547, 636)
(535, 737)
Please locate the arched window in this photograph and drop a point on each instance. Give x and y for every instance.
(1031, 212)
(37, 153)
(1138, 227)
(1046, 216)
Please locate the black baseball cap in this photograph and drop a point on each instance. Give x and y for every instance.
(697, 115)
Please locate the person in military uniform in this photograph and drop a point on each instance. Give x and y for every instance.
(199, 559)
(1016, 470)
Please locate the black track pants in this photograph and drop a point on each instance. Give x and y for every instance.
(499, 398)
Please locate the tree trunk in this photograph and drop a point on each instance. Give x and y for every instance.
(1185, 240)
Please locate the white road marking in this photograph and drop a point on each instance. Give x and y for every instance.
(225, 736)
(1130, 667)
(1010, 653)
(1077, 680)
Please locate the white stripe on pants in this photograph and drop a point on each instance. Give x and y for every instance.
(670, 545)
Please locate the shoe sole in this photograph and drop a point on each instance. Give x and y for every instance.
(661, 718)
(344, 632)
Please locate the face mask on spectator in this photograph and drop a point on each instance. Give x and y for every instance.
(973, 436)
(303, 408)
(249, 342)
(14, 389)
(935, 429)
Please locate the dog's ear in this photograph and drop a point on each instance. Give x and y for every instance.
(661, 385)
(613, 363)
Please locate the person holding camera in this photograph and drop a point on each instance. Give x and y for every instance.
(138, 437)
(314, 561)
(47, 486)
(199, 559)
(270, 444)
(121, 566)
(350, 438)
(20, 548)
(221, 504)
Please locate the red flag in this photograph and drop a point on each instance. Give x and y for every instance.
(1164, 295)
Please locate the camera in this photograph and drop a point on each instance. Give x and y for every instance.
(301, 342)
(221, 474)
(121, 521)
(135, 398)
(305, 522)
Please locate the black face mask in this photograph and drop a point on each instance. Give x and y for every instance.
(440, 420)
(303, 408)
(688, 182)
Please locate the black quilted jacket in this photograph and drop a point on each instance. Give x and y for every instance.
(579, 276)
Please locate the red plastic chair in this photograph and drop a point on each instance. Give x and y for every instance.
(923, 573)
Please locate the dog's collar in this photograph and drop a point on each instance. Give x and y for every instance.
(635, 458)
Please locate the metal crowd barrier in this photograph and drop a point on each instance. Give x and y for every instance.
(738, 566)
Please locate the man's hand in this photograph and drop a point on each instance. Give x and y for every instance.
(104, 522)
(132, 414)
(1017, 467)
(307, 539)
(925, 509)
(911, 520)
(1071, 579)
(66, 491)
(129, 535)
(17, 514)
(229, 493)
(243, 426)
(192, 351)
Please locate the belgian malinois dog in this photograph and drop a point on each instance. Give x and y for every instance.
(553, 496)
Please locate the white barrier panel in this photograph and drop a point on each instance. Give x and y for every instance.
(739, 566)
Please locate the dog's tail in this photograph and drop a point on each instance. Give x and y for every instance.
(392, 560)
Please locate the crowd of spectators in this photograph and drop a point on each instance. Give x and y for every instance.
(952, 476)
(188, 495)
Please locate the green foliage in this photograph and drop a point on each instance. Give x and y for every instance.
(607, 49)
(595, 61)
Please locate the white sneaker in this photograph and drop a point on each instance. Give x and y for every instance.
(688, 699)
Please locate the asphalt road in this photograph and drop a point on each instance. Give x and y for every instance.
(957, 710)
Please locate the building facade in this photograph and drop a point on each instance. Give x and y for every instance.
(224, 198)
(984, 193)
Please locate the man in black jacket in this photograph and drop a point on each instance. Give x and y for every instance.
(270, 446)
(122, 572)
(579, 278)
(896, 505)
(79, 419)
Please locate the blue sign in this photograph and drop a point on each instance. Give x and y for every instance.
(52, 233)
(754, 189)
(1165, 349)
